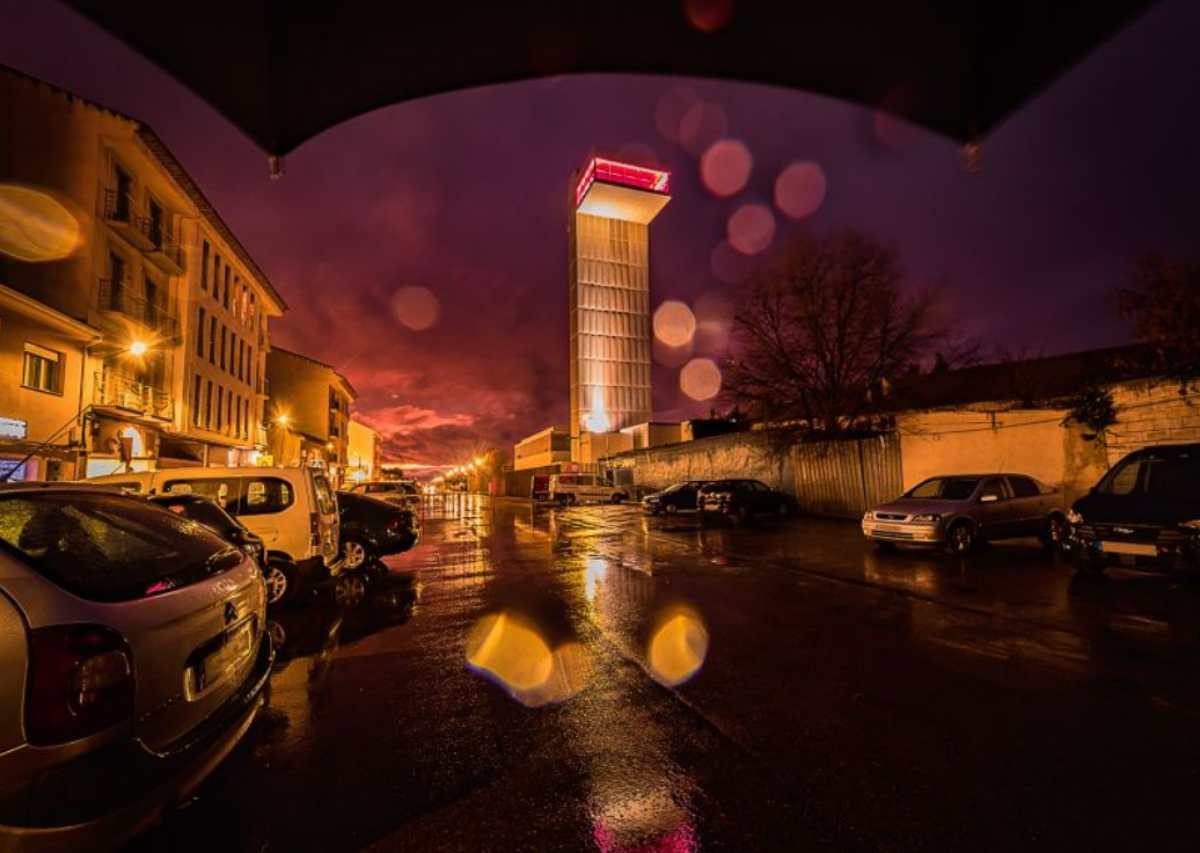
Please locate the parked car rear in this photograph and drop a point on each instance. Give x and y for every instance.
(395, 491)
(293, 510)
(679, 497)
(1144, 513)
(133, 652)
(372, 528)
(742, 499)
(960, 511)
(207, 512)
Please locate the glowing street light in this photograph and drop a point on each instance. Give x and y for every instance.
(138, 347)
(282, 420)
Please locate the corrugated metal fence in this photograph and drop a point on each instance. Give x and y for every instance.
(845, 478)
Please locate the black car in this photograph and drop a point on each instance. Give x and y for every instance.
(1144, 513)
(207, 512)
(742, 499)
(675, 498)
(372, 528)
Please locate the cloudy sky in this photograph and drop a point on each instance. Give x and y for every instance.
(462, 197)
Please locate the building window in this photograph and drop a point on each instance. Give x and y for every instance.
(220, 405)
(212, 341)
(225, 299)
(200, 334)
(229, 412)
(233, 354)
(204, 265)
(247, 421)
(238, 430)
(196, 401)
(222, 347)
(42, 370)
(116, 284)
(216, 277)
(208, 405)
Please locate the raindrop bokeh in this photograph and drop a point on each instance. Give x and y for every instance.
(672, 106)
(415, 307)
(674, 323)
(751, 228)
(702, 125)
(800, 189)
(700, 379)
(708, 16)
(725, 167)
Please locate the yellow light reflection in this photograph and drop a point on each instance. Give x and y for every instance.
(512, 652)
(593, 575)
(34, 226)
(678, 646)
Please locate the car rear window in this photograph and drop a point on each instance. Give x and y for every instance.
(325, 499)
(110, 548)
(1174, 478)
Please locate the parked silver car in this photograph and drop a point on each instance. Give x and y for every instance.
(959, 511)
(133, 657)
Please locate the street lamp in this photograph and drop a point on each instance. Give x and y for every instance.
(138, 348)
(282, 420)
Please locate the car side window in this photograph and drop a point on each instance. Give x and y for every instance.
(222, 491)
(1124, 481)
(1023, 487)
(994, 487)
(265, 495)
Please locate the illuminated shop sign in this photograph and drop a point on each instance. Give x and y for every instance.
(13, 428)
(622, 174)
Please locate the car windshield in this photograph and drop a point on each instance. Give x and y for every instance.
(945, 489)
(110, 548)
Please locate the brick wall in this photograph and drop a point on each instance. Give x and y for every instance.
(1152, 412)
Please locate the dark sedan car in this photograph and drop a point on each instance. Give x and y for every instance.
(1144, 513)
(742, 499)
(675, 498)
(207, 512)
(958, 512)
(372, 528)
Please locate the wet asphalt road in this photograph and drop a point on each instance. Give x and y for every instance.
(587, 679)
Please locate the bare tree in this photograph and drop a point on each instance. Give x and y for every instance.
(1163, 305)
(826, 325)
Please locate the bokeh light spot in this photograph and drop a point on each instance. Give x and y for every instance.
(708, 16)
(34, 226)
(725, 167)
(714, 319)
(678, 646)
(800, 189)
(511, 651)
(702, 125)
(751, 228)
(700, 379)
(674, 323)
(415, 307)
(728, 264)
(672, 106)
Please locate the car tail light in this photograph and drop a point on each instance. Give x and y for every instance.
(314, 526)
(80, 682)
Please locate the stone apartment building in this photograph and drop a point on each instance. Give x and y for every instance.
(170, 309)
(308, 412)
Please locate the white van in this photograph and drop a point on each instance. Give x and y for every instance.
(293, 509)
(578, 488)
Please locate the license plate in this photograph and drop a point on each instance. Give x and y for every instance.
(237, 647)
(890, 528)
(1134, 548)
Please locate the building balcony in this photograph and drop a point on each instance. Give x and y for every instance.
(120, 392)
(143, 233)
(120, 298)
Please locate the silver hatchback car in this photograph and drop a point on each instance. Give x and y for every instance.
(133, 658)
(962, 510)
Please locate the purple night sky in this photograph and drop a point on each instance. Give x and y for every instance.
(464, 194)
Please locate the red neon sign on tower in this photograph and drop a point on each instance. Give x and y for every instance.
(622, 174)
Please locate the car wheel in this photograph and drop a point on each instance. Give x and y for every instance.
(349, 590)
(961, 539)
(1056, 532)
(280, 584)
(277, 633)
(354, 554)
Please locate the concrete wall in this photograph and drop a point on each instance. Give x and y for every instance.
(1027, 441)
(751, 455)
(1152, 413)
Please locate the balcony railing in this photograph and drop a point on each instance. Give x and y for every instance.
(147, 234)
(121, 298)
(123, 393)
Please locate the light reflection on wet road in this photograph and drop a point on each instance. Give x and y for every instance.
(592, 679)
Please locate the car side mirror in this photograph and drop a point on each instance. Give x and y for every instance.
(988, 499)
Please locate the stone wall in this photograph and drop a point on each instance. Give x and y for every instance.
(1152, 412)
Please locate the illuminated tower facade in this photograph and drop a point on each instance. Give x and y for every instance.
(613, 205)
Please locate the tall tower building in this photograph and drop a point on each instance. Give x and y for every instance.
(612, 207)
